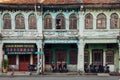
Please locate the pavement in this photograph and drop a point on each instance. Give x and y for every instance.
(53, 74)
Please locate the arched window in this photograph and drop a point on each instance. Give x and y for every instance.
(60, 21)
(48, 22)
(32, 22)
(7, 21)
(73, 21)
(20, 22)
(101, 21)
(114, 21)
(88, 21)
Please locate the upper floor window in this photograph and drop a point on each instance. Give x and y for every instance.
(114, 21)
(88, 21)
(101, 21)
(7, 21)
(60, 21)
(48, 22)
(73, 21)
(32, 22)
(19, 21)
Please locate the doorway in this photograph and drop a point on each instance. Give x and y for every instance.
(24, 62)
(60, 57)
(97, 56)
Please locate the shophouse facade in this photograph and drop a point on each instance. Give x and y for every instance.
(73, 32)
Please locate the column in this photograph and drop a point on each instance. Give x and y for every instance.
(119, 56)
(104, 58)
(31, 59)
(90, 56)
(17, 61)
(39, 58)
(80, 64)
(1, 55)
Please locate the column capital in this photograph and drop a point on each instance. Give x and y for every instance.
(81, 43)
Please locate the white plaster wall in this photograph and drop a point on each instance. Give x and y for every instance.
(112, 68)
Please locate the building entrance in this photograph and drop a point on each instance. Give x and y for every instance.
(97, 57)
(24, 62)
(60, 57)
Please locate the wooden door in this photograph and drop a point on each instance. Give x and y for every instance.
(97, 57)
(60, 56)
(24, 62)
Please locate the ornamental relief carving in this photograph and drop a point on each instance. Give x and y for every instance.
(60, 33)
(22, 34)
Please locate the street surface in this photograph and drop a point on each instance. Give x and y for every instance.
(61, 78)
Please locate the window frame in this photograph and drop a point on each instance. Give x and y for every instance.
(101, 21)
(32, 21)
(60, 22)
(73, 58)
(110, 54)
(89, 21)
(114, 21)
(47, 21)
(48, 53)
(73, 21)
(19, 22)
(7, 21)
(86, 54)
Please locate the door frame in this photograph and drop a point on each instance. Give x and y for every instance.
(97, 59)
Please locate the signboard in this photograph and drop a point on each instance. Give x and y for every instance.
(20, 48)
(39, 52)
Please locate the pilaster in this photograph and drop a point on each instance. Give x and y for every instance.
(108, 22)
(94, 22)
(67, 23)
(39, 24)
(81, 23)
(53, 23)
(26, 23)
(13, 22)
(119, 55)
(80, 64)
(0, 22)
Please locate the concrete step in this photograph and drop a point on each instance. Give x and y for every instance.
(21, 73)
(103, 74)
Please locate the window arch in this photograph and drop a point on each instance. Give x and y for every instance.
(20, 21)
(32, 22)
(73, 22)
(60, 21)
(48, 21)
(114, 21)
(7, 21)
(101, 21)
(88, 21)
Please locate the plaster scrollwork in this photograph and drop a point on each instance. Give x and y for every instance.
(7, 33)
(72, 33)
(48, 33)
(60, 34)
